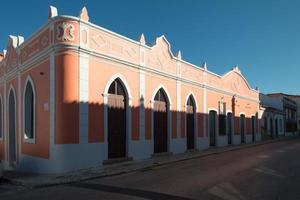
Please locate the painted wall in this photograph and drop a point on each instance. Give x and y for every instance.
(84, 59)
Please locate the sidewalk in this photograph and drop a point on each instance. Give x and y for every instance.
(29, 180)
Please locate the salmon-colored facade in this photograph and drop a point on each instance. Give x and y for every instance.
(75, 95)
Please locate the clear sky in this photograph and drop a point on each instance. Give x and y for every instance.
(261, 36)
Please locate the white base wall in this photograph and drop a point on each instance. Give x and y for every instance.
(203, 143)
(64, 158)
(258, 137)
(222, 141)
(71, 157)
(236, 139)
(289, 134)
(145, 149)
(248, 138)
(178, 145)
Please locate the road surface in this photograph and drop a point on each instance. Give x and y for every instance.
(265, 172)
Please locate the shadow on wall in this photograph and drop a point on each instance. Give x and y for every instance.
(97, 123)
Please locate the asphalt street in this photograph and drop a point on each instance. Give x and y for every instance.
(265, 172)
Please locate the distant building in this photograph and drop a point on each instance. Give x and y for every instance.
(289, 107)
(272, 116)
(296, 98)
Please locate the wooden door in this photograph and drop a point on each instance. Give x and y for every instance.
(212, 127)
(253, 128)
(242, 122)
(160, 122)
(190, 124)
(116, 116)
(160, 127)
(229, 129)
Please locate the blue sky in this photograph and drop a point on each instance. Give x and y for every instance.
(261, 36)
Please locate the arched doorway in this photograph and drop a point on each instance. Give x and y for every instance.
(253, 128)
(243, 127)
(276, 127)
(229, 129)
(160, 122)
(12, 127)
(116, 114)
(212, 127)
(272, 128)
(190, 123)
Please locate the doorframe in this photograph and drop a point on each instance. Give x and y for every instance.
(11, 88)
(216, 126)
(195, 119)
(128, 111)
(169, 117)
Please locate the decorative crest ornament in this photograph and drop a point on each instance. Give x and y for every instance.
(84, 14)
(178, 55)
(204, 66)
(52, 12)
(142, 39)
(65, 32)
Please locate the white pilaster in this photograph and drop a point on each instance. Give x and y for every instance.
(52, 100)
(205, 113)
(142, 105)
(142, 94)
(5, 132)
(178, 100)
(83, 97)
(19, 119)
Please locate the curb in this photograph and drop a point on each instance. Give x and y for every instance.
(146, 167)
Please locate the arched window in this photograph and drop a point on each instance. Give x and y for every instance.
(1, 119)
(29, 111)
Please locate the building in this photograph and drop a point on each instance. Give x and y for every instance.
(272, 116)
(76, 95)
(291, 106)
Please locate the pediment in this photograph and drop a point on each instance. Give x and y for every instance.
(161, 56)
(11, 57)
(236, 82)
(163, 46)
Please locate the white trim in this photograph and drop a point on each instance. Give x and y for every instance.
(83, 97)
(126, 85)
(228, 111)
(178, 113)
(142, 96)
(166, 91)
(5, 121)
(52, 100)
(195, 100)
(214, 109)
(26, 139)
(12, 89)
(149, 69)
